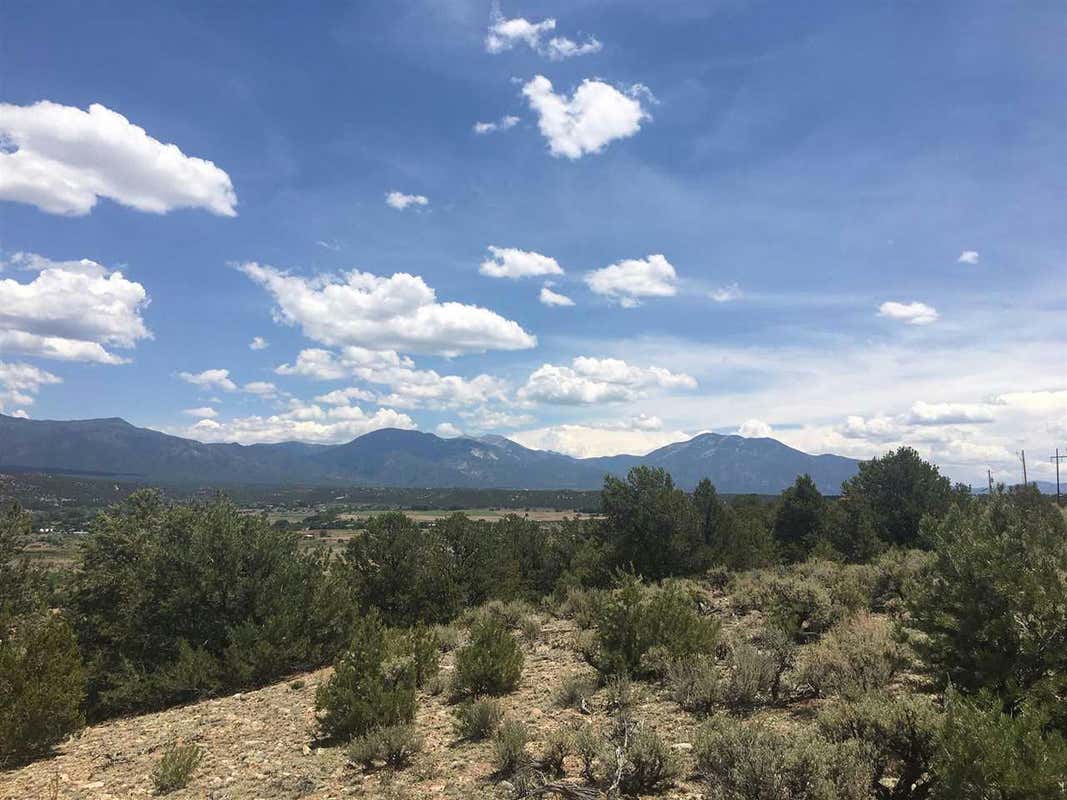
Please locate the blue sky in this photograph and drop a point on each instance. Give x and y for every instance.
(839, 224)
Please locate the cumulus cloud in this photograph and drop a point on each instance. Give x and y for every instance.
(20, 383)
(262, 388)
(258, 343)
(489, 419)
(400, 201)
(503, 124)
(598, 380)
(325, 365)
(911, 313)
(923, 413)
(446, 430)
(300, 422)
(63, 159)
(342, 397)
(203, 412)
(726, 294)
(587, 121)
(968, 257)
(588, 441)
(396, 313)
(210, 379)
(510, 262)
(1037, 402)
(504, 34)
(628, 281)
(551, 298)
(754, 429)
(71, 310)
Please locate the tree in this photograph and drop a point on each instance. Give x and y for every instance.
(900, 488)
(405, 571)
(19, 584)
(800, 519)
(712, 513)
(993, 602)
(652, 524)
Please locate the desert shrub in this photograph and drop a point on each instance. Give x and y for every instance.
(477, 718)
(408, 572)
(531, 628)
(395, 745)
(581, 605)
(620, 694)
(858, 655)
(41, 685)
(780, 651)
(574, 691)
(587, 744)
(750, 676)
(420, 644)
(634, 618)
(634, 760)
(175, 767)
(556, 748)
(509, 747)
(367, 690)
(894, 574)
(899, 735)
(993, 602)
(694, 683)
(490, 663)
(448, 637)
(751, 761)
(236, 590)
(297, 685)
(987, 754)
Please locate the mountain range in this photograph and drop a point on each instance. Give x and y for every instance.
(396, 458)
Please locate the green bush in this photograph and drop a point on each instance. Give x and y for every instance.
(509, 748)
(554, 751)
(633, 761)
(752, 761)
(477, 718)
(20, 585)
(175, 767)
(634, 619)
(801, 518)
(491, 663)
(41, 685)
(985, 754)
(531, 628)
(899, 735)
(894, 575)
(857, 656)
(993, 602)
(395, 745)
(447, 637)
(751, 676)
(420, 643)
(366, 690)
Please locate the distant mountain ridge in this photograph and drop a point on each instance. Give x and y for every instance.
(397, 458)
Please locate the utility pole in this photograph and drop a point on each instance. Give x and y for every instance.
(1056, 459)
(989, 472)
(1022, 456)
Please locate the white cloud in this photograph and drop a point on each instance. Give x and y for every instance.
(551, 298)
(342, 397)
(594, 380)
(258, 343)
(210, 379)
(489, 419)
(587, 441)
(504, 34)
(754, 429)
(71, 310)
(301, 422)
(968, 257)
(324, 365)
(595, 115)
(634, 278)
(204, 412)
(263, 388)
(510, 262)
(726, 294)
(643, 422)
(396, 313)
(62, 160)
(446, 430)
(400, 201)
(1036, 402)
(20, 383)
(911, 313)
(503, 124)
(923, 413)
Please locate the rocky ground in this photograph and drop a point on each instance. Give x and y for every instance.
(260, 744)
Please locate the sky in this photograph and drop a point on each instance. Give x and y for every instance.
(593, 227)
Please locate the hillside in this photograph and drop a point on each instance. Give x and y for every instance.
(399, 458)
